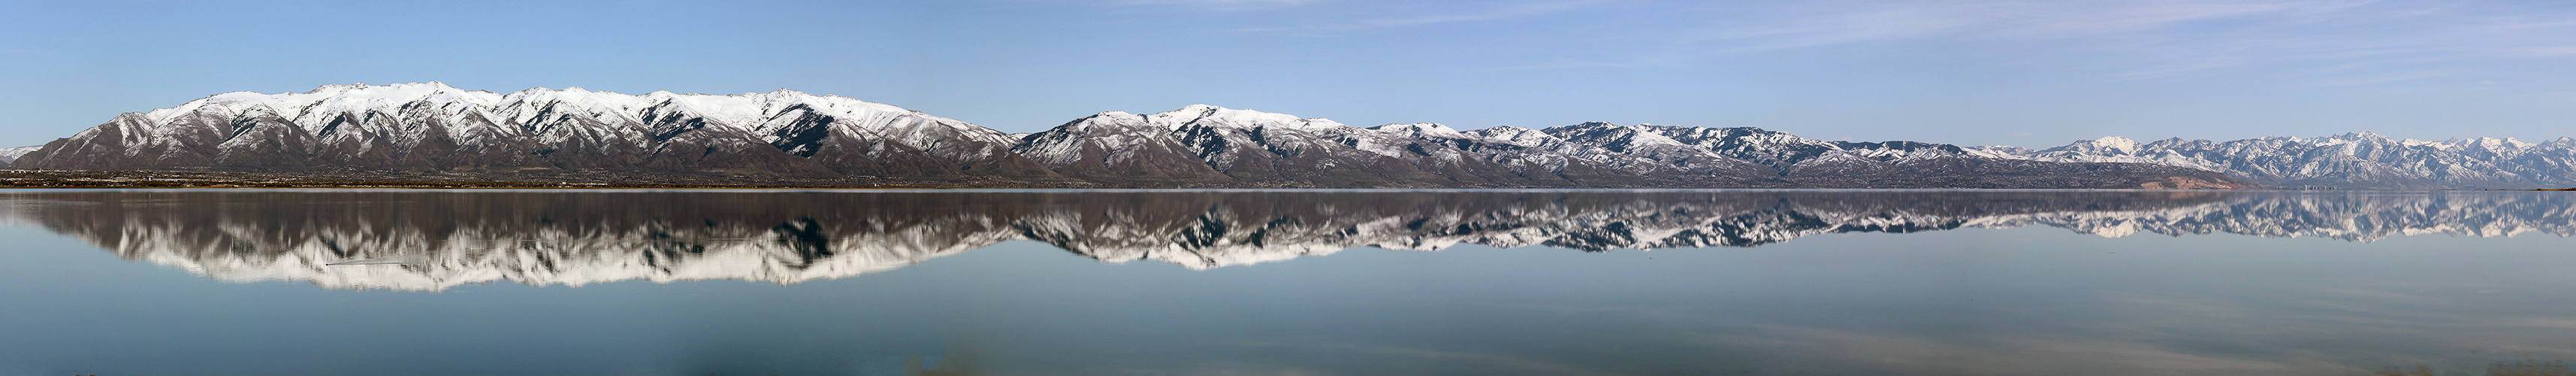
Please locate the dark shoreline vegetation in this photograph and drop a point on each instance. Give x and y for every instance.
(606, 179)
(635, 179)
(436, 180)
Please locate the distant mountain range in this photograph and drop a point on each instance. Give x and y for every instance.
(438, 128)
(434, 127)
(440, 239)
(2350, 161)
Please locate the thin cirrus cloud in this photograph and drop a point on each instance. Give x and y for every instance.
(1495, 13)
(2362, 41)
(2542, 51)
(2122, 39)
(1794, 26)
(1228, 5)
(2371, 41)
(1402, 17)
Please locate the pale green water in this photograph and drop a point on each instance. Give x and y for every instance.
(1282, 282)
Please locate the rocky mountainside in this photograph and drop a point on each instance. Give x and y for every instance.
(433, 127)
(2349, 161)
(437, 240)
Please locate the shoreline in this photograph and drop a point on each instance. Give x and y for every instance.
(609, 180)
(628, 179)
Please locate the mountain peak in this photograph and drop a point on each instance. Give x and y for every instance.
(336, 88)
(2357, 160)
(1419, 130)
(2106, 146)
(2123, 144)
(432, 86)
(1192, 111)
(1209, 115)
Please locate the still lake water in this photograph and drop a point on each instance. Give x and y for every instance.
(729, 282)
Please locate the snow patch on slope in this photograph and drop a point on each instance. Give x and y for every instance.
(11, 154)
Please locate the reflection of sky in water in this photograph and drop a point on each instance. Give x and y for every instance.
(2027, 300)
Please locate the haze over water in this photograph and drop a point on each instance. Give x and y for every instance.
(1283, 282)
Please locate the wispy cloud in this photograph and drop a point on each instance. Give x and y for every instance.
(2330, 43)
(2327, 43)
(1792, 27)
(1568, 64)
(1830, 29)
(2400, 76)
(1447, 13)
(1504, 11)
(2541, 51)
(1219, 4)
(2557, 99)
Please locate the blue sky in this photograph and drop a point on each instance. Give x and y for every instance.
(1979, 72)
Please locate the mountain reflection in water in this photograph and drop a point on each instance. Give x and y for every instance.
(449, 238)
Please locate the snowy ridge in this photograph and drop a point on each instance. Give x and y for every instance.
(1206, 145)
(1210, 143)
(443, 240)
(11, 154)
(434, 126)
(2349, 161)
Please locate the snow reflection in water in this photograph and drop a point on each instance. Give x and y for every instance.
(1860, 283)
(413, 240)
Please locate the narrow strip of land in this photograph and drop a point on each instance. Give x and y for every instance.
(396, 179)
(606, 179)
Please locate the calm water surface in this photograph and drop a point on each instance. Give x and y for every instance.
(426, 282)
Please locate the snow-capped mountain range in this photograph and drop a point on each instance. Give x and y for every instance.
(2349, 161)
(438, 240)
(434, 127)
